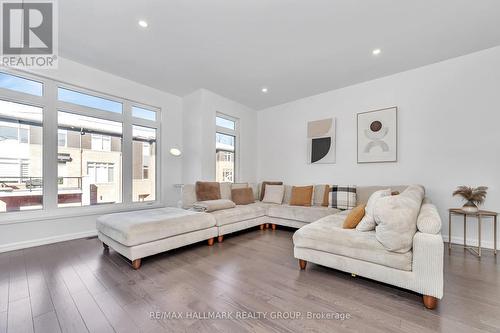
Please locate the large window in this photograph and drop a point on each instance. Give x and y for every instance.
(21, 186)
(225, 148)
(99, 149)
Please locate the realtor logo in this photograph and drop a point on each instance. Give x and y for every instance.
(29, 36)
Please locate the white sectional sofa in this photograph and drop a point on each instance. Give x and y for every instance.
(322, 240)
(320, 237)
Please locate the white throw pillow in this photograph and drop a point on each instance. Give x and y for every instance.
(396, 218)
(274, 194)
(368, 221)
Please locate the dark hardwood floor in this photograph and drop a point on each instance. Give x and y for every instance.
(75, 287)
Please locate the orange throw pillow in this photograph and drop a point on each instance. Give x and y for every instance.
(242, 196)
(354, 217)
(301, 195)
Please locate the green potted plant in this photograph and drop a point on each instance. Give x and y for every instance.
(473, 197)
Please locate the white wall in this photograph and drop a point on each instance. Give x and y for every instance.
(18, 235)
(449, 115)
(199, 111)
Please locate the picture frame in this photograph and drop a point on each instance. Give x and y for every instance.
(321, 141)
(377, 136)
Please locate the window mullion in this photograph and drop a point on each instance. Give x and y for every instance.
(50, 147)
(127, 153)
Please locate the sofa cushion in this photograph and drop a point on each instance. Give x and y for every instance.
(225, 190)
(144, 226)
(207, 191)
(396, 218)
(287, 196)
(302, 196)
(298, 213)
(255, 187)
(320, 196)
(239, 213)
(188, 195)
(327, 235)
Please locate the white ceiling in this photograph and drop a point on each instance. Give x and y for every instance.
(297, 48)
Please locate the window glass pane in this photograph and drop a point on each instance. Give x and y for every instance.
(21, 182)
(144, 163)
(9, 133)
(143, 113)
(224, 145)
(223, 122)
(224, 142)
(17, 83)
(61, 138)
(90, 163)
(74, 97)
(24, 134)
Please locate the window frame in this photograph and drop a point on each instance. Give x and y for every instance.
(50, 106)
(236, 134)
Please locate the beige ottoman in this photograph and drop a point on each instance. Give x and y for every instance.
(138, 234)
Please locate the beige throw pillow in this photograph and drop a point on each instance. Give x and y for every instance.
(213, 205)
(274, 194)
(396, 218)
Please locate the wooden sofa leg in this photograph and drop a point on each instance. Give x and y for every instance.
(261, 227)
(267, 225)
(211, 241)
(136, 264)
(106, 247)
(220, 239)
(302, 264)
(273, 226)
(430, 302)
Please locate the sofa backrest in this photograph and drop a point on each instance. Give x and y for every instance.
(363, 193)
(189, 193)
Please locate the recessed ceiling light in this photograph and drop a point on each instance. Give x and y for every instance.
(264, 90)
(376, 51)
(175, 151)
(143, 24)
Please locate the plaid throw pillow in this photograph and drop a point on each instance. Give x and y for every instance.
(342, 197)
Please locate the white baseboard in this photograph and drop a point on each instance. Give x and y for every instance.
(47, 240)
(487, 244)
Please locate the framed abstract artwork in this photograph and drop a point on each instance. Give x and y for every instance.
(378, 136)
(321, 141)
